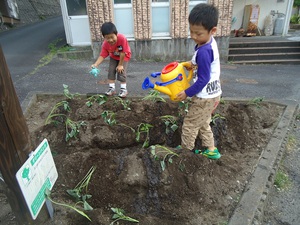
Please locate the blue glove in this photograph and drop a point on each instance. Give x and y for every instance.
(94, 71)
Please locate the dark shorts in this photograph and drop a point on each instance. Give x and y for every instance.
(112, 72)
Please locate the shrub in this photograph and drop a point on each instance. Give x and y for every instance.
(295, 19)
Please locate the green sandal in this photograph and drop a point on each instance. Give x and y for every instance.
(215, 154)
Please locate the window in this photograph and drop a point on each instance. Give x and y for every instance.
(123, 17)
(76, 7)
(122, 1)
(192, 3)
(160, 18)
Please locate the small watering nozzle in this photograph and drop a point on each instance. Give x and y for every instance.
(94, 71)
(147, 84)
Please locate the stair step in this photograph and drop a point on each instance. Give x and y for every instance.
(276, 61)
(256, 50)
(264, 44)
(267, 56)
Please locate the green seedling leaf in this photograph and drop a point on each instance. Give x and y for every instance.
(168, 155)
(174, 127)
(87, 206)
(163, 165)
(119, 214)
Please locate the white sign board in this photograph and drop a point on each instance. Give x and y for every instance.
(36, 175)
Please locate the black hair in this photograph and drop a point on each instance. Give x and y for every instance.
(204, 14)
(108, 28)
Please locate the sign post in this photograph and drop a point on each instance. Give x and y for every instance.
(36, 175)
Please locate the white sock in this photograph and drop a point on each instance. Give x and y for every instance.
(123, 86)
(112, 85)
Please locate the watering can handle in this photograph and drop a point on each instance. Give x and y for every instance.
(191, 72)
(179, 77)
(155, 74)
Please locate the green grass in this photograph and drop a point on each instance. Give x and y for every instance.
(291, 143)
(282, 180)
(48, 58)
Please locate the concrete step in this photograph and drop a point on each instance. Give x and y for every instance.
(270, 61)
(267, 51)
(265, 44)
(256, 50)
(264, 56)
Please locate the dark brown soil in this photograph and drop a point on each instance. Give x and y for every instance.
(191, 190)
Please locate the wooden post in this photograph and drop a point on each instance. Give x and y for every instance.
(15, 144)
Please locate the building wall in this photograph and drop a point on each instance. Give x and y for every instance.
(176, 47)
(265, 10)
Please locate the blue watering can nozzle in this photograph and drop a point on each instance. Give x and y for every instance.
(147, 84)
(94, 71)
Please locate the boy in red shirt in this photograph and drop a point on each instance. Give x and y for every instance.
(116, 46)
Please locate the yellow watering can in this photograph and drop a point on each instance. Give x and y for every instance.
(173, 78)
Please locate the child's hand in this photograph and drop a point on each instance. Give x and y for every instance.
(120, 69)
(181, 96)
(188, 65)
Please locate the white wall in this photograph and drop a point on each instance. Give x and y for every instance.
(265, 8)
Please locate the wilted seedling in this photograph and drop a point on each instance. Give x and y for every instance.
(143, 128)
(48, 196)
(100, 99)
(184, 106)
(154, 96)
(124, 125)
(109, 117)
(125, 103)
(168, 154)
(256, 101)
(67, 93)
(80, 191)
(72, 128)
(53, 114)
(215, 117)
(222, 101)
(119, 214)
(170, 122)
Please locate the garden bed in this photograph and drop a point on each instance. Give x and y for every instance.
(130, 175)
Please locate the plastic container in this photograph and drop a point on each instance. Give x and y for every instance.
(279, 24)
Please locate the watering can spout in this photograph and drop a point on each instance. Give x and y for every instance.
(147, 84)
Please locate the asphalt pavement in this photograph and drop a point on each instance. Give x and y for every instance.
(273, 82)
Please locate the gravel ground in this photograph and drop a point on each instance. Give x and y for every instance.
(283, 205)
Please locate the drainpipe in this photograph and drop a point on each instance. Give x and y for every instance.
(287, 17)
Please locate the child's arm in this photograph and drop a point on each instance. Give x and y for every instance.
(98, 62)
